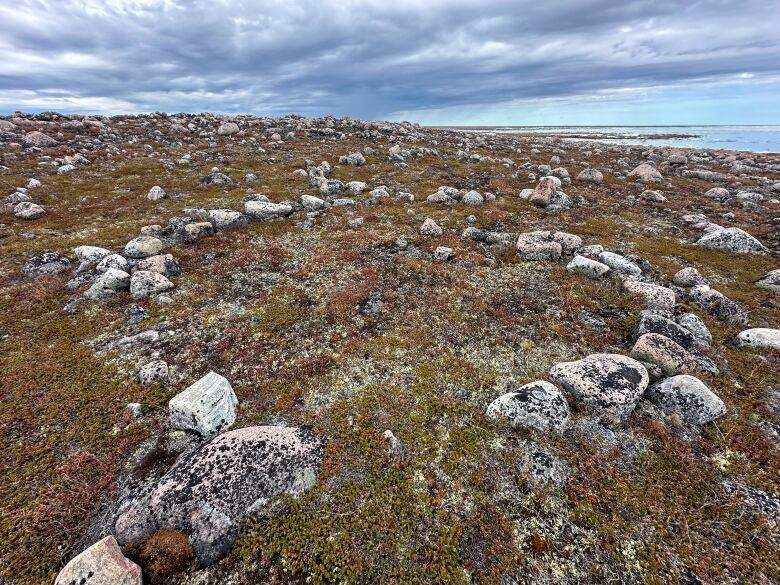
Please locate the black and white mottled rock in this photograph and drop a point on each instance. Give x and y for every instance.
(696, 326)
(539, 405)
(473, 198)
(430, 228)
(143, 247)
(110, 282)
(620, 263)
(770, 281)
(216, 178)
(28, 210)
(670, 356)
(46, 263)
(652, 323)
(36, 138)
(546, 245)
(228, 129)
(264, 210)
(590, 176)
(101, 564)
(717, 193)
(646, 173)
(718, 304)
(587, 267)
(544, 191)
(156, 193)
(206, 407)
(732, 240)
(760, 337)
(226, 219)
(688, 277)
(113, 261)
(443, 253)
(610, 383)
(688, 397)
(153, 372)
(146, 283)
(312, 203)
(207, 493)
(651, 196)
(164, 264)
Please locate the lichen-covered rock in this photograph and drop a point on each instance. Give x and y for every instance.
(610, 383)
(760, 337)
(108, 283)
(688, 397)
(651, 323)
(646, 173)
(312, 203)
(156, 193)
(770, 281)
(544, 191)
(207, 407)
(696, 326)
(430, 229)
(164, 264)
(590, 176)
(651, 296)
(226, 219)
(620, 263)
(28, 210)
(153, 372)
(113, 261)
(145, 283)
(539, 405)
(101, 564)
(688, 277)
(228, 129)
(671, 357)
(732, 240)
(143, 247)
(546, 245)
(587, 267)
(46, 263)
(207, 493)
(473, 198)
(36, 138)
(264, 210)
(88, 254)
(718, 304)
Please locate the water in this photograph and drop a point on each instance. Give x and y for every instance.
(748, 138)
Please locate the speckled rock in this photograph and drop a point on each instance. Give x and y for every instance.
(28, 210)
(473, 198)
(587, 267)
(430, 229)
(671, 357)
(265, 211)
(153, 372)
(718, 304)
(620, 263)
(590, 176)
(91, 253)
(207, 407)
(661, 325)
(688, 397)
(651, 296)
(226, 219)
(732, 240)
(156, 193)
(610, 383)
(546, 245)
(544, 191)
(696, 326)
(760, 337)
(164, 264)
(145, 283)
(110, 282)
(688, 277)
(770, 281)
(228, 129)
(101, 564)
(113, 261)
(539, 405)
(207, 493)
(143, 247)
(46, 263)
(36, 138)
(646, 173)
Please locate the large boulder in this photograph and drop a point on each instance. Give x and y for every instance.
(759, 337)
(546, 245)
(587, 267)
(651, 296)
(207, 492)
(28, 210)
(651, 323)
(265, 210)
(732, 240)
(226, 219)
(620, 263)
(39, 139)
(545, 191)
(539, 405)
(110, 282)
(228, 128)
(101, 564)
(671, 357)
(207, 407)
(687, 397)
(610, 383)
(145, 283)
(590, 176)
(770, 281)
(718, 304)
(646, 173)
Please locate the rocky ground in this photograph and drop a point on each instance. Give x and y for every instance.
(256, 350)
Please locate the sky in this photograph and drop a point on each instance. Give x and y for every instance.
(440, 62)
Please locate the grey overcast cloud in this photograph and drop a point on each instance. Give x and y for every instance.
(437, 61)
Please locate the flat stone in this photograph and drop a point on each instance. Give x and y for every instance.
(671, 357)
(539, 405)
(265, 211)
(207, 407)
(46, 263)
(651, 296)
(143, 247)
(667, 328)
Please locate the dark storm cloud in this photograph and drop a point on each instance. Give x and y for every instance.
(368, 58)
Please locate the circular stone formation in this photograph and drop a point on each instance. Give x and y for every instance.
(539, 405)
(610, 383)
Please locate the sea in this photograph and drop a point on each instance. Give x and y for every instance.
(744, 138)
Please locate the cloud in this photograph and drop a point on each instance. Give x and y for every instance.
(371, 58)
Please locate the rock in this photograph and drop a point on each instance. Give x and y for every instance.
(620, 263)
(587, 267)
(732, 240)
(687, 397)
(113, 261)
(226, 219)
(207, 492)
(442, 254)
(651, 296)
(688, 277)
(539, 405)
(544, 191)
(696, 326)
(164, 264)
(652, 323)
(46, 263)
(770, 281)
(207, 407)
(718, 304)
(652, 196)
(646, 173)
(143, 247)
(717, 193)
(39, 139)
(760, 337)
(354, 159)
(312, 203)
(153, 372)
(145, 283)
(546, 245)
(668, 355)
(473, 198)
(430, 229)
(101, 564)
(196, 230)
(590, 176)
(155, 193)
(266, 211)
(356, 187)
(28, 210)
(610, 383)
(89, 254)
(108, 283)
(216, 178)
(228, 129)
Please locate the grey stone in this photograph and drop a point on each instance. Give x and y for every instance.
(143, 247)
(207, 407)
(265, 211)
(46, 263)
(587, 267)
(760, 337)
(732, 240)
(539, 405)
(101, 564)
(108, 283)
(688, 397)
(145, 283)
